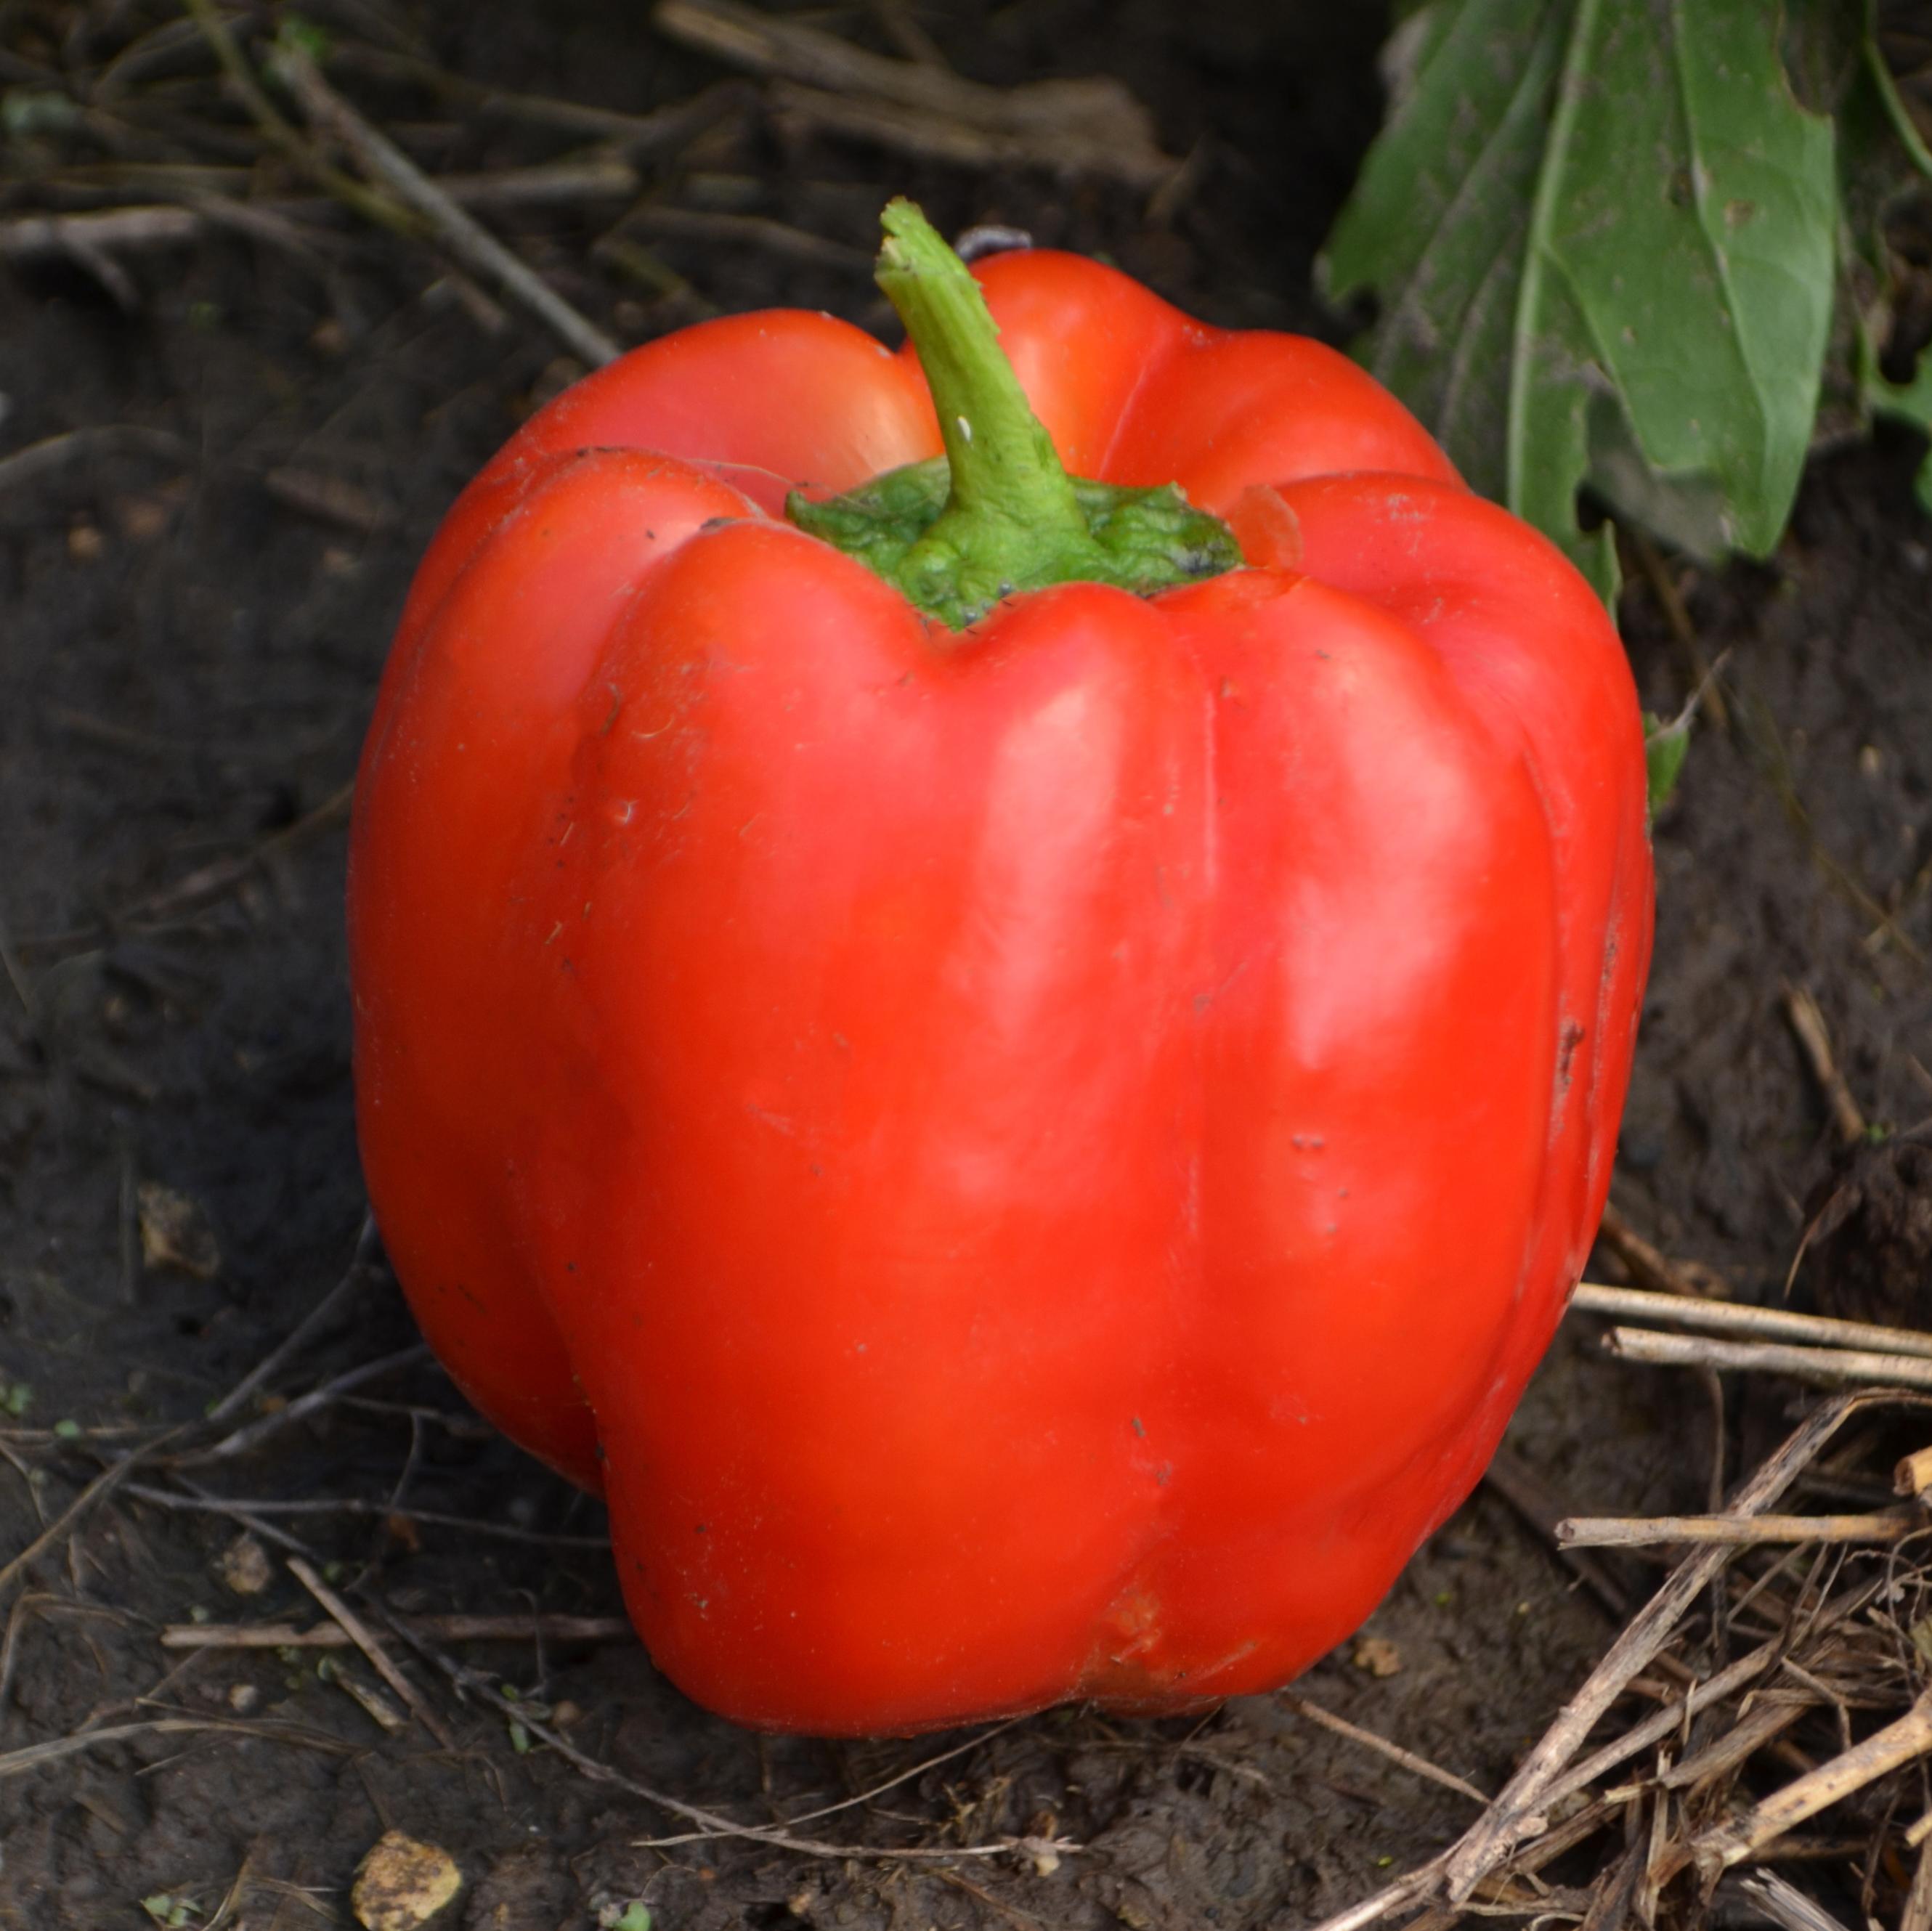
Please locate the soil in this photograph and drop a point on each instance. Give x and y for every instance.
(191, 645)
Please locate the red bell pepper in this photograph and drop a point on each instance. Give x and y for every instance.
(1027, 1161)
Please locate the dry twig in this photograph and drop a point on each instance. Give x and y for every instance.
(1735, 1318)
(365, 1639)
(1888, 1749)
(372, 206)
(1539, 1505)
(202, 888)
(1700, 673)
(1913, 1475)
(1649, 1265)
(1785, 1905)
(756, 230)
(868, 1795)
(1522, 1811)
(1917, 1915)
(96, 1492)
(36, 1757)
(257, 1512)
(368, 1242)
(1340, 1726)
(529, 1627)
(1820, 1367)
(1648, 1531)
(633, 135)
(251, 1436)
(1076, 127)
(1808, 1023)
(39, 461)
(465, 237)
(469, 1682)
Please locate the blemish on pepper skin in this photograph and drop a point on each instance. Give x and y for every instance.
(1139, 1428)
(1570, 1038)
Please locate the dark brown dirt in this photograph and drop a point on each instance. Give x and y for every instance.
(185, 670)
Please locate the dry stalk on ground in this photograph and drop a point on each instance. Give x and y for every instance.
(1698, 1782)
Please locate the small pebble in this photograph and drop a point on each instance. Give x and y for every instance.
(402, 1883)
(1378, 1657)
(244, 1566)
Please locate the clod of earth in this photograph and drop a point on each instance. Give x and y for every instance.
(402, 1883)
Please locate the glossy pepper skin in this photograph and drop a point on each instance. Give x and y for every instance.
(1026, 1163)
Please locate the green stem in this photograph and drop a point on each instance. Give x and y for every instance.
(1004, 468)
(998, 513)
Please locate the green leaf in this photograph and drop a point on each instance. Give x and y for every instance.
(1602, 235)
(636, 1917)
(1665, 747)
(1921, 1633)
(298, 32)
(25, 111)
(1882, 151)
(1891, 103)
(1909, 402)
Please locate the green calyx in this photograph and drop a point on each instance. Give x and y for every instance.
(997, 513)
(905, 526)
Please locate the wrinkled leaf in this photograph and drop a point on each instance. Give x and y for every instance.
(1603, 237)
